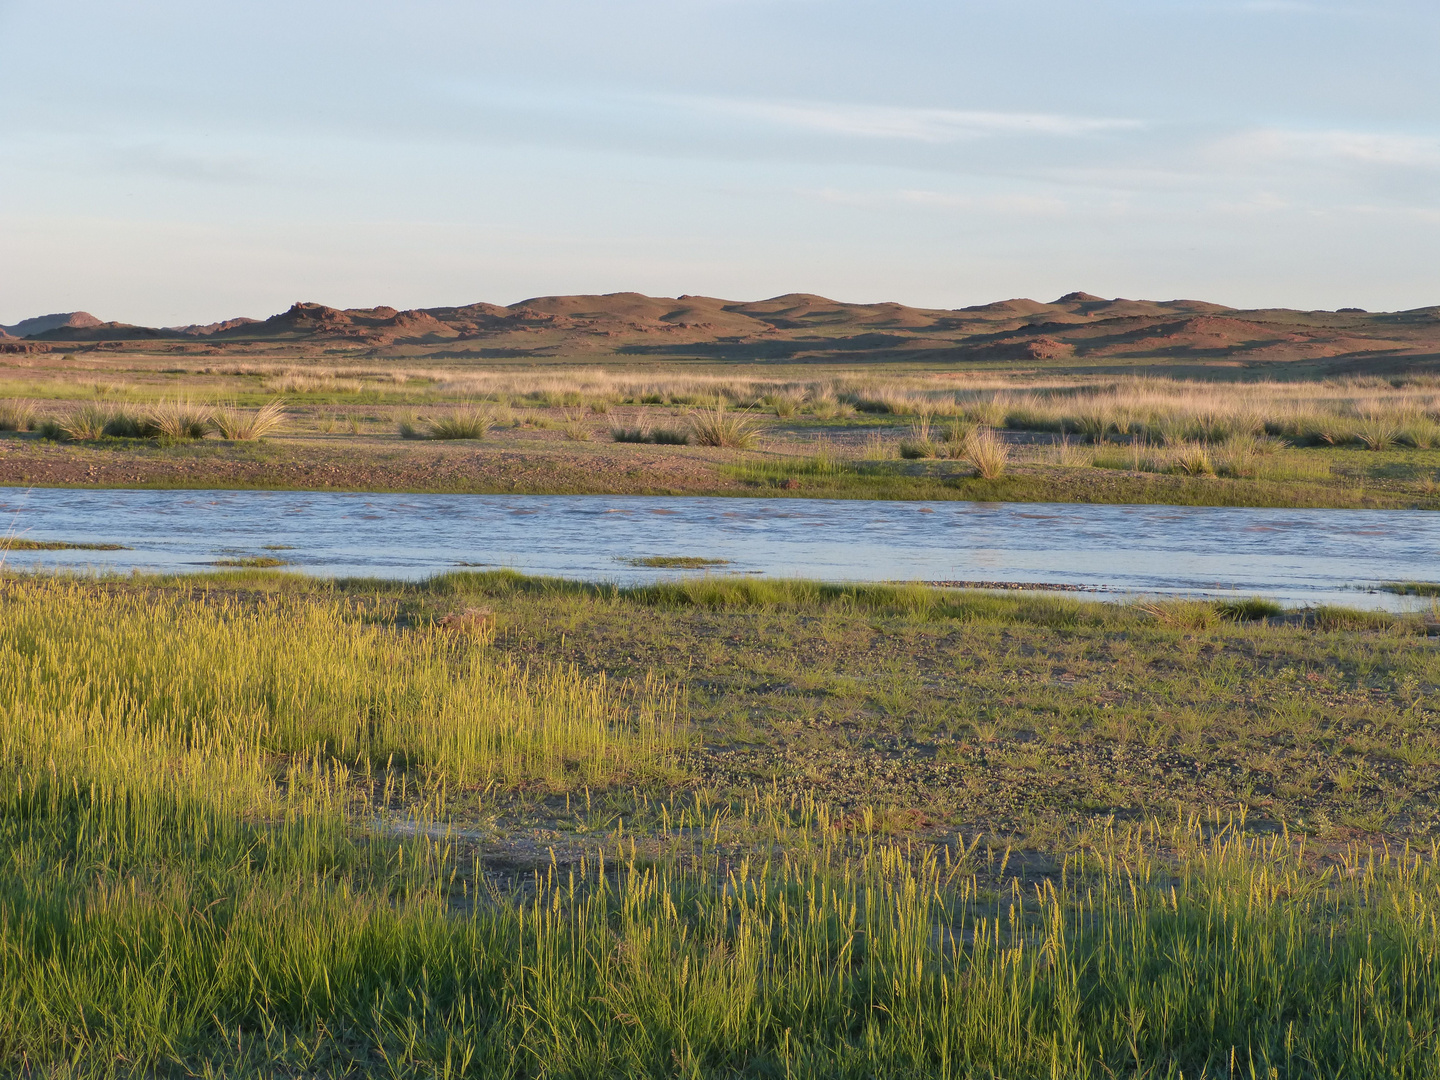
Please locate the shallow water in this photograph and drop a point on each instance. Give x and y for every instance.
(1296, 556)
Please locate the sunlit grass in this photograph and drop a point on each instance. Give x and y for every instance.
(226, 847)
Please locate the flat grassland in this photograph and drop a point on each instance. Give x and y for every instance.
(1042, 433)
(488, 825)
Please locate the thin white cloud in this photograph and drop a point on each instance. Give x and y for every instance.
(1362, 147)
(1000, 203)
(926, 125)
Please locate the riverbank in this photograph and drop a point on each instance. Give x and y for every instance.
(789, 462)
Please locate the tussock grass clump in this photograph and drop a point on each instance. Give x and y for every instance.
(1193, 615)
(574, 427)
(785, 404)
(985, 452)
(1250, 609)
(468, 422)
(719, 427)
(18, 414)
(1071, 455)
(824, 405)
(919, 445)
(1191, 459)
(1377, 431)
(914, 450)
(663, 436)
(877, 448)
(1239, 457)
(178, 419)
(241, 425)
(84, 424)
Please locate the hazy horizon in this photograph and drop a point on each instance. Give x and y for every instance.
(169, 163)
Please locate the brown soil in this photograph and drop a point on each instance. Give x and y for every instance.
(368, 464)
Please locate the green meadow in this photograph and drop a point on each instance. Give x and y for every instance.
(256, 825)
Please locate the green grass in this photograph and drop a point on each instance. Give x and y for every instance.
(464, 423)
(20, 543)
(1413, 588)
(676, 562)
(255, 825)
(254, 562)
(1250, 608)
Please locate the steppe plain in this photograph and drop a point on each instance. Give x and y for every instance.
(490, 825)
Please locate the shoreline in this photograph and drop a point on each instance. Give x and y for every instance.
(599, 470)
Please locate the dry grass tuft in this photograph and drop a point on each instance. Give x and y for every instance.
(178, 419)
(574, 427)
(986, 452)
(241, 425)
(1192, 459)
(1192, 615)
(717, 427)
(85, 424)
(18, 414)
(467, 422)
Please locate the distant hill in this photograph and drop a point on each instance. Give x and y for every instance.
(1077, 329)
(74, 320)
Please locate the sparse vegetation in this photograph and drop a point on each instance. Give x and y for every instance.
(88, 422)
(463, 423)
(661, 436)
(574, 426)
(241, 425)
(178, 419)
(676, 562)
(986, 453)
(18, 415)
(719, 427)
(20, 543)
(1195, 443)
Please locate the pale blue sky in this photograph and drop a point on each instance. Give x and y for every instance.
(170, 162)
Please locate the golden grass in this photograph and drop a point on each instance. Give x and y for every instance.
(242, 425)
(150, 690)
(986, 452)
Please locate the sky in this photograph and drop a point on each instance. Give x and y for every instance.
(166, 162)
